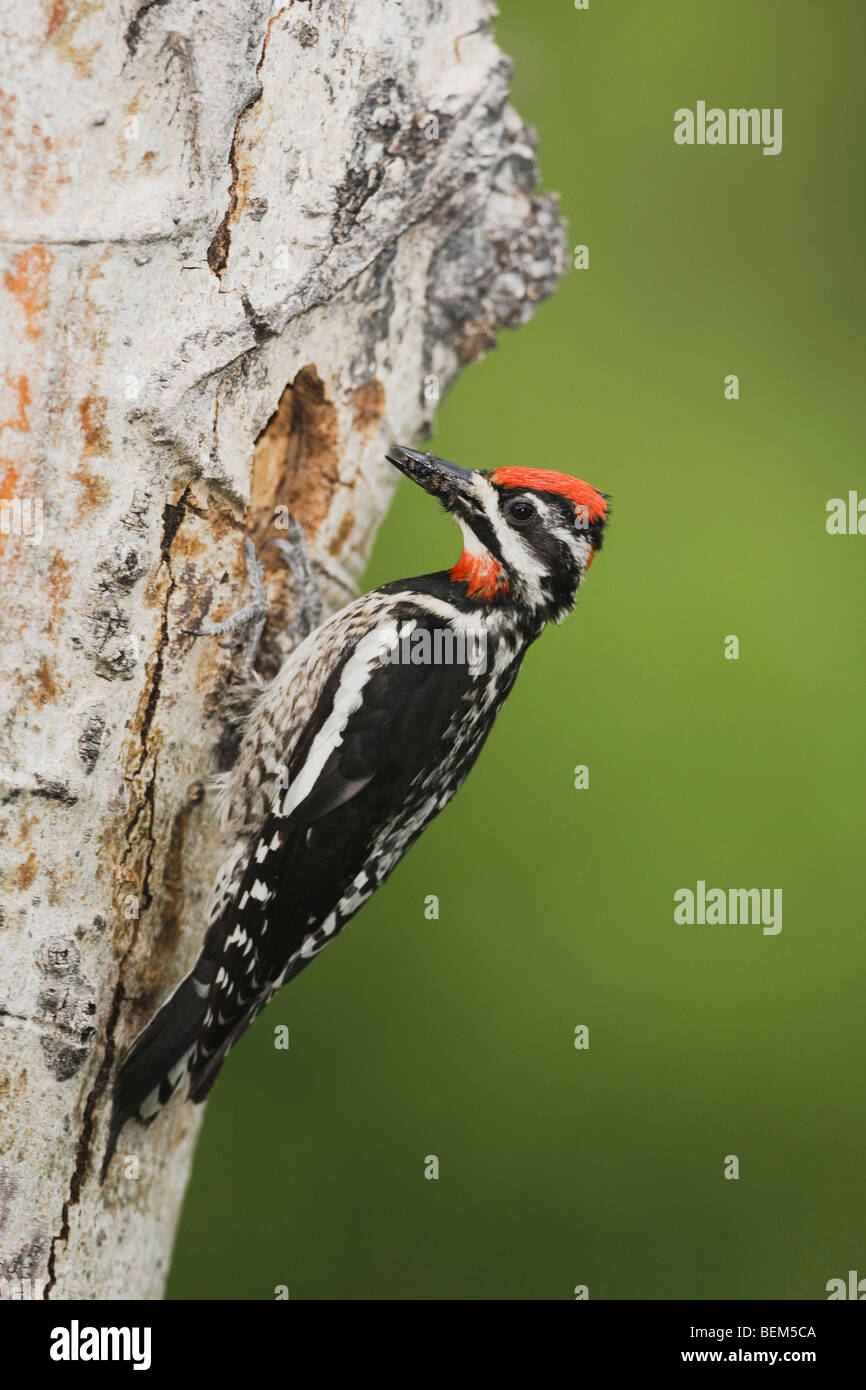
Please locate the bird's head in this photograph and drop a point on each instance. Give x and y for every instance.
(529, 534)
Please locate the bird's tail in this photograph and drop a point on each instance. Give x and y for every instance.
(159, 1059)
(161, 1056)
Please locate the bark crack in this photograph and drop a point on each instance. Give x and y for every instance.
(173, 514)
(218, 251)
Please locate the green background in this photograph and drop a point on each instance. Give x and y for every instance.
(455, 1037)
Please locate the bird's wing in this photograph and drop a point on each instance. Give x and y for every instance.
(284, 710)
(354, 802)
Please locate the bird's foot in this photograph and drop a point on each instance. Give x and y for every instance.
(250, 621)
(308, 601)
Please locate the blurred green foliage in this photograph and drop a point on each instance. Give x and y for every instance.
(455, 1037)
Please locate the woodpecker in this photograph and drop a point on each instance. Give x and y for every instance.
(365, 734)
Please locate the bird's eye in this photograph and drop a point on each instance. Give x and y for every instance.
(521, 510)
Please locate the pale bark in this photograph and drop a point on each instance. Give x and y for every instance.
(242, 247)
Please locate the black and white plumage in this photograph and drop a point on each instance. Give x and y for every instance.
(367, 731)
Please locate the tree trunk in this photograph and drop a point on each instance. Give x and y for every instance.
(244, 248)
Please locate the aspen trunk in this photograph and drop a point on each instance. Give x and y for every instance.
(243, 248)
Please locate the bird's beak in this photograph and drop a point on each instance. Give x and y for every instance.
(437, 476)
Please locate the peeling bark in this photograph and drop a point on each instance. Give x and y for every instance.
(243, 248)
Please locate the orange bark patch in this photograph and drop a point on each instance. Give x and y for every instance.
(91, 412)
(94, 490)
(58, 583)
(28, 282)
(7, 114)
(295, 467)
(62, 20)
(46, 687)
(369, 401)
(342, 533)
(8, 480)
(58, 13)
(18, 388)
(23, 876)
(296, 457)
(8, 487)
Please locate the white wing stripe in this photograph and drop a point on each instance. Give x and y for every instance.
(356, 673)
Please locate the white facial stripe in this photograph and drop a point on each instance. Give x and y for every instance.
(541, 506)
(471, 544)
(573, 538)
(519, 558)
(551, 518)
(577, 541)
(582, 547)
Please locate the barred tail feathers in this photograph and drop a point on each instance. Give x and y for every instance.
(158, 1060)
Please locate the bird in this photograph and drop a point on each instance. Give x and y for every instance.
(366, 732)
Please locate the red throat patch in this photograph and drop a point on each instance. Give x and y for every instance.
(543, 480)
(483, 576)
